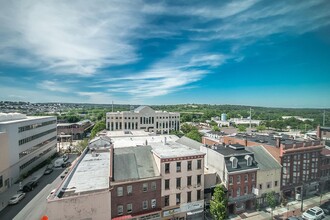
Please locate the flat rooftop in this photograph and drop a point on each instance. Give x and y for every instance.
(173, 149)
(90, 174)
(16, 118)
(132, 141)
(130, 133)
(268, 139)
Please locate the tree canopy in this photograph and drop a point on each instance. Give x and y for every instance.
(218, 204)
(99, 126)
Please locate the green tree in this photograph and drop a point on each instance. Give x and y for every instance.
(81, 145)
(186, 128)
(218, 205)
(271, 200)
(213, 123)
(177, 133)
(99, 126)
(241, 128)
(195, 135)
(261, 128)
(215, 128)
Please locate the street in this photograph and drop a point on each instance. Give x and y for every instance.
(11, 211)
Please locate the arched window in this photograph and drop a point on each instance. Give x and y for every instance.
(233, 162)
(248, 159)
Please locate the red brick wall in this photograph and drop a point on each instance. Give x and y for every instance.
(136, 198)
(242, 184)
(206, 140)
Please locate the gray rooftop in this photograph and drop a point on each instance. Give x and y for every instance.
(133, 163)
(189, 142)
(264, 159)
(173, 149)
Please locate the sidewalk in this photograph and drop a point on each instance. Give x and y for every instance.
(280, 213)
(6, 195)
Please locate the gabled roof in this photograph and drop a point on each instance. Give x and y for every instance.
(132, 163)
(189, 142)
(264, 159)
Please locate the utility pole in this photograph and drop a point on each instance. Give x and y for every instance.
(112, 106)
(323, 118)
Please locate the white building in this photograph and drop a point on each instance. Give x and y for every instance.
(25, 142)
(143, 118)
(244, 121)
(84, 192)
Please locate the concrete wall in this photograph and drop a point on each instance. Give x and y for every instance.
(266, 177)
(90, 206)
(216, 161)
(4, 160)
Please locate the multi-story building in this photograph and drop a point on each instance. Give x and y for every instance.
(25, 141)
(135, 184)
(143, 118)
(75, 130)
(237, 170)
(323, 133)
(325, 170)
(300, 160)
(268, 175)
(84, 192)
(181, 169)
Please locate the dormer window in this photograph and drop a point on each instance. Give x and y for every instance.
(248, 159)
(233, 162)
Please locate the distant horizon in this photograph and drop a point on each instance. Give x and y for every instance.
(249, 106)
(248, 52)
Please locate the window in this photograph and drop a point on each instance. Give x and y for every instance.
(178, 198)
(238, 191)
(129, 190)
(199, 194)
(189, 165)
(167, 201)
(120, 191)
(199, 179)
(188, 180)
(275, 183)
(145, 204)
(230, 180)
(145, 187)
(178, 183)
(260, 186)
(153, 203)
(120, 209)
(153, 186)
(167, 167)
(269, 185)
(238, 179)
(188, 196)
(199, 164)
(230, 193)
(234, 162)
(246, 189)
(246, 177)
(253, 177)
(178, 166)
(129, 208)
(167, 184)
(248, 159)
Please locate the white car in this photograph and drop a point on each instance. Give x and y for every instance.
(313, 213)
(16, 198)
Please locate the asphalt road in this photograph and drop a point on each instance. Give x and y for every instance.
(11, 211)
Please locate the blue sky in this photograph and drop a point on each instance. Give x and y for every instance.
(249, 52)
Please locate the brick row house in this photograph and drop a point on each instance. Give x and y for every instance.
(237, 171)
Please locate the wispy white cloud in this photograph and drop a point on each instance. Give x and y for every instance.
(76, 37)
(53, 86)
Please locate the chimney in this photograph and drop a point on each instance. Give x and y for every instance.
(278, 142)
(318, 132)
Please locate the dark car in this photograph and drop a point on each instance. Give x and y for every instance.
(294, 218)
(30, 186)
(326, 207)
(48, 171)
(66, 164)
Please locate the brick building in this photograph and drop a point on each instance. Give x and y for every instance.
(237, 170)
(135, 184)
(325, 170)
(300, 160)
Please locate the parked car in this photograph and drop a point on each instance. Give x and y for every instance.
(48, 171)
(65, 157)
(31, 185)
(66, 164)
(294, 218)
(16, 198)
(326, 207)
(313, 213)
